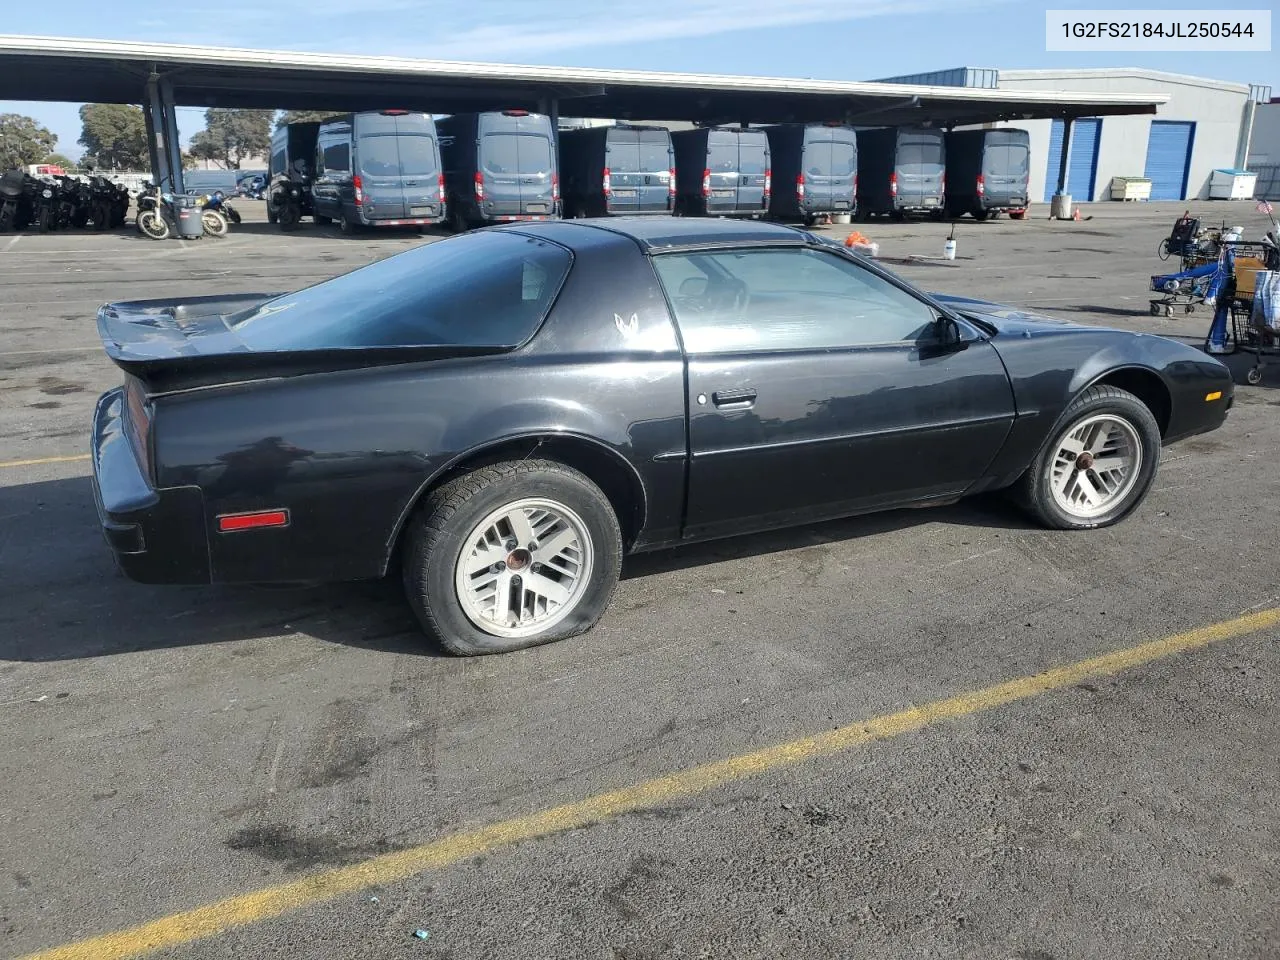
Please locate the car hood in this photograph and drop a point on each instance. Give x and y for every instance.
(1008, 320)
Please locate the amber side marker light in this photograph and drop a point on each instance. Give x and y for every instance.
(231, 522)
(1216, 395)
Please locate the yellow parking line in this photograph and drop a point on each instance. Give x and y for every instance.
(75, 458)
(238, 911)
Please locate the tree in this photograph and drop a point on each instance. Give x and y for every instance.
(23, 141)
(231, 136)
(114, 136)
(302, 116)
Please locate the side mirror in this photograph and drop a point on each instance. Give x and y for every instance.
(947, 331)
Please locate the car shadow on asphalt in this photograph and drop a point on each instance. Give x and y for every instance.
(61, 597)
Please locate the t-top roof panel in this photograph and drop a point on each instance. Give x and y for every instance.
(64, 69)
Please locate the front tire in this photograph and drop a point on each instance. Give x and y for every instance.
(153, 225)
(1098, 464)
(511, 556)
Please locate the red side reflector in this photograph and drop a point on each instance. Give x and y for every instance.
(229, 522)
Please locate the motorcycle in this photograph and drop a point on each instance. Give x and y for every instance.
(75, 203)
(46, 203)
(286, 202)
(12, 186)
(102, 200)
(216, 212)
(120, 206)
(159, 212)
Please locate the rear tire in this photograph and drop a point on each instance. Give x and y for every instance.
(457, 221)
(564, 585)
(347, 225)
(980, 214)
(321, 220)
(1109, 425)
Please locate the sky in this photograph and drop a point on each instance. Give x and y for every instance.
(822, 39)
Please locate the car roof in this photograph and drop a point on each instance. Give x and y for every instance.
(656, 233)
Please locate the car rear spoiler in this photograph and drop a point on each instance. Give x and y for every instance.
(174, 345)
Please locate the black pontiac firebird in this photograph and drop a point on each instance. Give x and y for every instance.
(510, 411)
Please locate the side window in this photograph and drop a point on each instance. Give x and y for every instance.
(786, 299)
(337, 157)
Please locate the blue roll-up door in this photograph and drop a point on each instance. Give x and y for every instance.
(1082, 164)
(1169, 158)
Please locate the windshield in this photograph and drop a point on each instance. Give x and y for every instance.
(480, 289)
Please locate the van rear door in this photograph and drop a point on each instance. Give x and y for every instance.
(829, 165)
(622, 160)
(753, 170)
(378, 164)
(419, 165)
(657, 163)
(1005, 165)
(722, 161)
(537, 174)
(920, 166)
(500, 167)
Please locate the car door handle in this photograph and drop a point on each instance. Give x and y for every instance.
(734, 399)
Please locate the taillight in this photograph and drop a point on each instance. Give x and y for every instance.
(440, 187)
(942, 183)
(768, 181)
(479, 185)
(893, 184)
(138, 422)
(982, 186)
(706, 183)
(555, 187)
(358, 187)
(608, 182)
(855, 184)
(671, 182)
(799, 186)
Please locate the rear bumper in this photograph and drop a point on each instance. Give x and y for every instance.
(156, 536)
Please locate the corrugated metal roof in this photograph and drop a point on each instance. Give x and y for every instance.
(58, 68)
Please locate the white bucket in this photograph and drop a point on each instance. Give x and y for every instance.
(949, 250)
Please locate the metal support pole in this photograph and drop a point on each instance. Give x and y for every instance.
(153, 152)
(158, 132)
(1065, 155)
(171, 136)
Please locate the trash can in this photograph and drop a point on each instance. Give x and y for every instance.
(190, 222)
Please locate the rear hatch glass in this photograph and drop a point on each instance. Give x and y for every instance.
(480, 289)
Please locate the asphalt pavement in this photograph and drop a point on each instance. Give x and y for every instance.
(305, 753)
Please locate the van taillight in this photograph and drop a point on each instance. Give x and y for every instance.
(768, 181)
(440, 187)
(855, 184)
(893, 184)
(706, 182)
(942, 182)
(608, 182)
(358, 187)
(515, 113)
(982, 186)
(479, 185)
(555, 187)
(671, 182)
(799, 186)
(395, 113)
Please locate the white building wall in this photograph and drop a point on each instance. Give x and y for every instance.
(1216, 108)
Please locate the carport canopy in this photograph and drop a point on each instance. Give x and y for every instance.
(163, 76)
